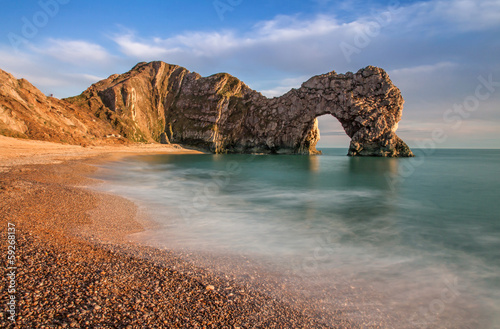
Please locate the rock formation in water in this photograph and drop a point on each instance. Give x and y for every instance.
(167, 103)
(223, 114)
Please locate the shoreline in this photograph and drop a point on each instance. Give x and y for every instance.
(75, 269)
(16, 152)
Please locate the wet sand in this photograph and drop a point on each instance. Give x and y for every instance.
(75, 268)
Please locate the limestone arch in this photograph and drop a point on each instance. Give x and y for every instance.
(367, 105)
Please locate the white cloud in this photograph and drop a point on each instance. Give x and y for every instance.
(60, 79)
(13, 61)
(267, 36)
(27, 66)
(130, 46)
(445, 16)
(74, 51)
(292, 28)
(469, 14)
(423, 69)
(293, 43)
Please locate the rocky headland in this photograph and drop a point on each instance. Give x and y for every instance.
(167, 103)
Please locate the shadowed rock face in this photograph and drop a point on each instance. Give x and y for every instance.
(157, 101)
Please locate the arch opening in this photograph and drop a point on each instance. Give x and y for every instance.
(332, 134)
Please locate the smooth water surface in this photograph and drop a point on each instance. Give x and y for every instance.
(424, 231)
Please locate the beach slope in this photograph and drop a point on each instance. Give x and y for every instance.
(74, 267)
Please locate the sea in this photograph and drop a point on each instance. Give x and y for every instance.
(391, 242)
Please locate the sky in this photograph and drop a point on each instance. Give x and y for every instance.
(444, 55)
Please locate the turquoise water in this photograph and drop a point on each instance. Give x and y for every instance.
(425, 232)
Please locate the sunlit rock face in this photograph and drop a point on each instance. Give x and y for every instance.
(25, 112)
(159, 101)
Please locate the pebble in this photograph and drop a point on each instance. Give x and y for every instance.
(65, 279)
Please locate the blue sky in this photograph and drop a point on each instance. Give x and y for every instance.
(443, 55)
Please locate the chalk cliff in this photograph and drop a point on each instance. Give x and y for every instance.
(167, 103)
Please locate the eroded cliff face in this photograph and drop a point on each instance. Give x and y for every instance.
(135, 102)
(25, 112)
(167, 103)
(158, 101)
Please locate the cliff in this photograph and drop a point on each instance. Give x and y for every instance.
(161, 102)
(25, 112)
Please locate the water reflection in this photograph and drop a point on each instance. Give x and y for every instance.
(314, 163)
(370, 215)
(373, 172)
(374, 165)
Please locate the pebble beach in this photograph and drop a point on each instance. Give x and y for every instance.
(75, 268)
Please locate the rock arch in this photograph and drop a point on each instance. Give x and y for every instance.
(367, 105)
(224, 115)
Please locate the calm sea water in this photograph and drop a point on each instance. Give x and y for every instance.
(423, 232)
